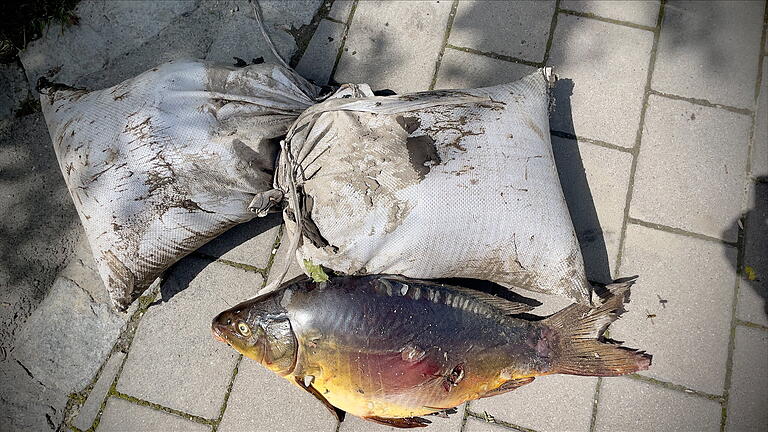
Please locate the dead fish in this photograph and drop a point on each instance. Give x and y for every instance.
(390, 349)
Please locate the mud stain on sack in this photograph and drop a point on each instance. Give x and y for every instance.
(409, 124)
(566, 284)
(450, 131)
(121, 280)
(396, 215)
(422, 154)
(535, 128)
(502, 265)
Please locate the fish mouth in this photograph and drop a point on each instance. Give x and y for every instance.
(218, 334)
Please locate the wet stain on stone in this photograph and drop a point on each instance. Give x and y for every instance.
(422, 154)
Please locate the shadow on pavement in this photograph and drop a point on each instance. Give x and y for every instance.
(578, 195)
(239, 234)
(753, 269)
(180, 275)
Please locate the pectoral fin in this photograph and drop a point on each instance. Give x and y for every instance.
(508, 386)
(442, 412)
(339, 414)
(404, 423)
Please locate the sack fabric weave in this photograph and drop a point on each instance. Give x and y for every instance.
(438, 184)
(160, 164)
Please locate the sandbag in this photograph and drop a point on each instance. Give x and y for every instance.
(438, 184)
(160, 164)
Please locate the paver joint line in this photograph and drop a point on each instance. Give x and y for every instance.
(679, 231)
(343, 41)
(703, 102)
(743, 231)
(448, 26)
(335, 20)
(496, 56)
(595, 405)
(217, 422)
(158, 407)
(465, 414)
(676, 387)
(550, 38)
(734, 302)
(241, 266)
(599, 143)
(607, 20)
(126, 338)
(639, 136)
(499, 422)
(751, 325)
(756, 102)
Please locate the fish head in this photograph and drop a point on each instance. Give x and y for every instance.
(260, 330)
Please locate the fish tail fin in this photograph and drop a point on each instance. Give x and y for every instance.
(581, 348)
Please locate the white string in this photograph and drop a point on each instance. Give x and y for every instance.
(294, 202)
(260, 21)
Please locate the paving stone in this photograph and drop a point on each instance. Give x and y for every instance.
(25, 403)
(96, 55)
(67, 54)
(38, 222)
(317, 62)
(237, 34)
(248, 243)
(748, 396)
(709, 50)
(90, 409)
(690, 170)
(460, 69)
(451, 424)
(181, 38)
(262, 400)
(517, 29)
(121, 415)
(603, 69)
(759, 166)
(595, 181)
(478, 425)
(550, 403)
(753, 294)
(688, 338)
(381, 47)
(15, 90)
(85, 331)
(643, 12)
(627, 404)
(173, 355)
(340, 10)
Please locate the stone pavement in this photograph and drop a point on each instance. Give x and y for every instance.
(660, 137)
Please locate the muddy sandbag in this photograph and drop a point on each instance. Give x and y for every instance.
(438, 184)
(162, 163)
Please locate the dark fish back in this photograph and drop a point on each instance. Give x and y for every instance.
(379, 312)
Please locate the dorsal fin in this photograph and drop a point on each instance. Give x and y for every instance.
(503, 306)
(507, 307)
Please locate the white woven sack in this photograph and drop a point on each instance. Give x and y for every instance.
(160, 164)
(434, 185)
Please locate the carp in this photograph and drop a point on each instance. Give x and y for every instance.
(390, 349)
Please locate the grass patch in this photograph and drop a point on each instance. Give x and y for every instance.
(27, 20)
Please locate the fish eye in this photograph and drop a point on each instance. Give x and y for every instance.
(243, 329)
